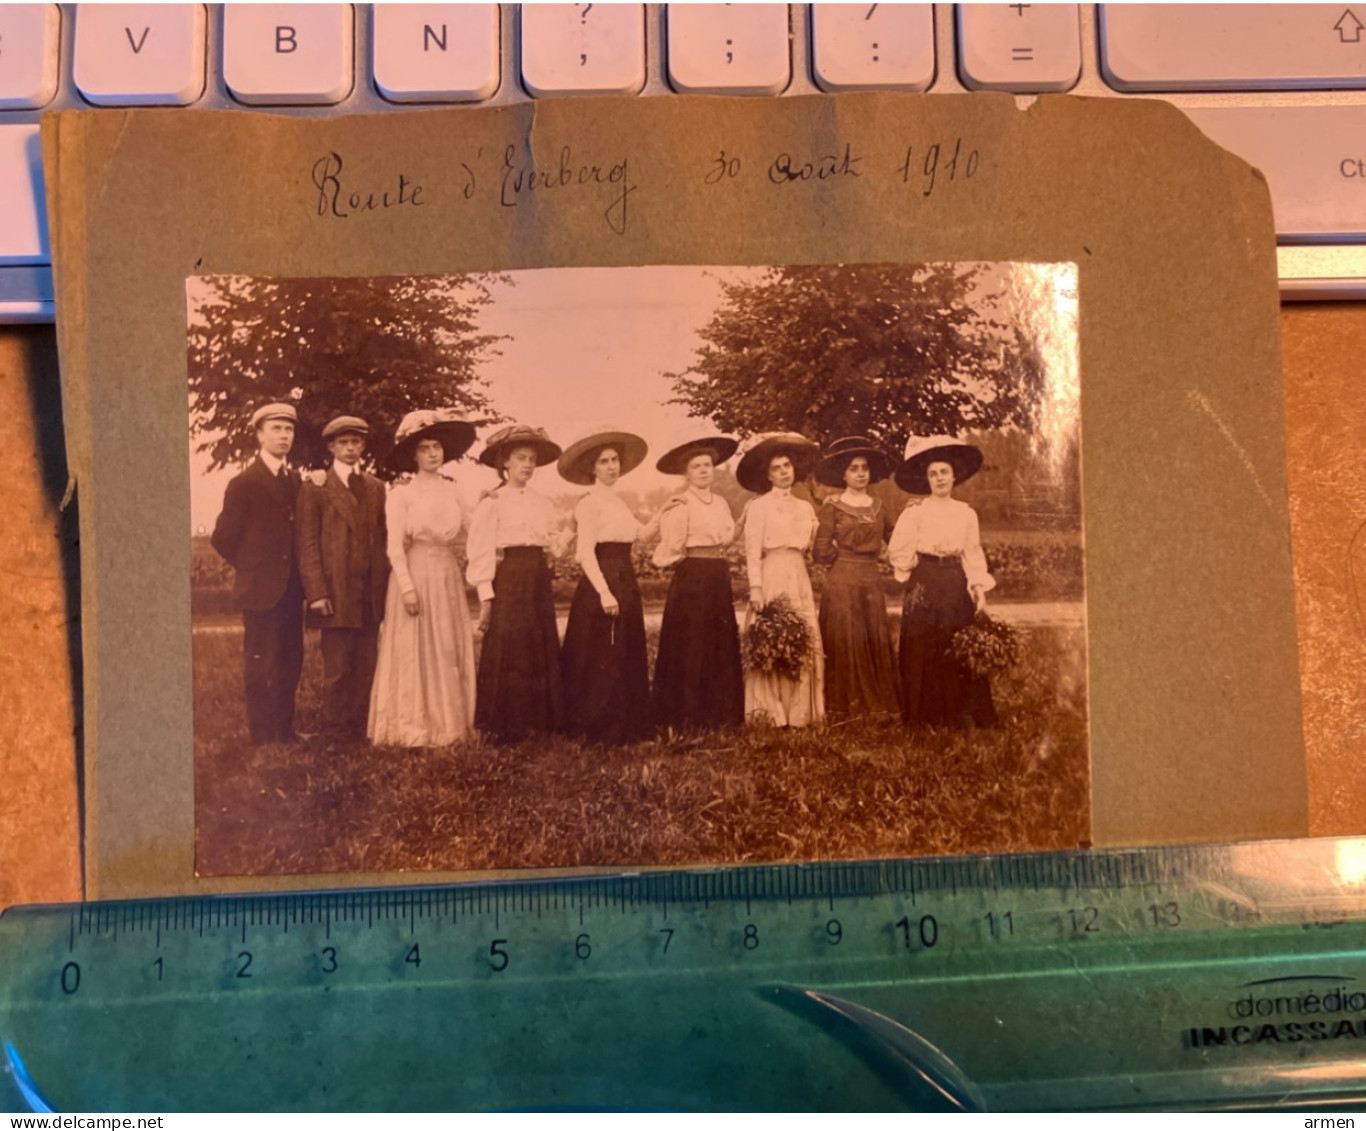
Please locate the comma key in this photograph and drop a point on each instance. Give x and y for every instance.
(583, 49)
(288, 54)
(436, 52)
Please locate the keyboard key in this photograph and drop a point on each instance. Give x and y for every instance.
(23, 219)
(1314, 158)
(139, 54)
(288, 54)
(1025, 48)
(28, 55)
(583, 49)
(436, 52)
(729, 48)
(1232, 46)
(872, 46)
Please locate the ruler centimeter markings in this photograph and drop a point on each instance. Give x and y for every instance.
(1173, 977)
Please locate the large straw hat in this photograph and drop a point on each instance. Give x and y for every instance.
(576, 464)
(445, 424)
(759, 450)
(519, 436)
(830, 471)
(675, 460)
(921, 451)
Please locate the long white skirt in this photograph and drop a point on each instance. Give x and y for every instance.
(784, 701)
(424, 680)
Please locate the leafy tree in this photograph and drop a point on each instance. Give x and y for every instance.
(375, 348)
(881, 350)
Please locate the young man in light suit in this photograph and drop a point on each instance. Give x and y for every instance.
(255, 534)
(345, 570)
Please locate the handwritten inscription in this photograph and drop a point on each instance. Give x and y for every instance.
(929, 166)
(939, 164)
(520, 179)
(339, 199)
(785, 168)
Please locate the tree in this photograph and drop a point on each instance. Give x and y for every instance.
(374, 348)
(879, 350)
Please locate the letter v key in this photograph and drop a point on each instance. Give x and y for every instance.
(161, 69)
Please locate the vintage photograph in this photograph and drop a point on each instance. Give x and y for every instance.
(618, 567)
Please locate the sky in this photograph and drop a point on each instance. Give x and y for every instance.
(587, 349)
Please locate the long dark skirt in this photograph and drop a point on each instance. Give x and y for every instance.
(605, 669)
(698, 680)
(934, 687)
(518, 691)
(860, 666)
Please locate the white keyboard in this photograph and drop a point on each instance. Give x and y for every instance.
(1284, 85)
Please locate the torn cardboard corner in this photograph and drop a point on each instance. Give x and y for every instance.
(1195, 716)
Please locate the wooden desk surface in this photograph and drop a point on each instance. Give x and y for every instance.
(40, 859)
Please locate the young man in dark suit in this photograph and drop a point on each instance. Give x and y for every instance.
(255, 534)
(345, 571)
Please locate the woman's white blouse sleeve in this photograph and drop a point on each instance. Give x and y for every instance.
(902, 547)
(482, 548)
(586, 516)
(753, 520)
(673, 534)
(974, 561)
(396, 519)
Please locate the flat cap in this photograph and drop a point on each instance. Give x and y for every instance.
(274, 412)
(339, 424)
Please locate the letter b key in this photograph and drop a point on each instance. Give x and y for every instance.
(288, 54)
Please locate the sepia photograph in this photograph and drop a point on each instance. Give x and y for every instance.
(636, 566)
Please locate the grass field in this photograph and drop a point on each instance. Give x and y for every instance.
(855, 790)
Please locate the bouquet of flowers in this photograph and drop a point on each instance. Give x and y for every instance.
(777, 640)
(986, 646)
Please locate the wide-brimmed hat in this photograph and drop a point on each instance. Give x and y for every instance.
(342, 425)
(761, 449)
(445, 424)
(274, 412)
(519, 436)
(921, 451)
(675, 460)
(839, 455)
(576, 462)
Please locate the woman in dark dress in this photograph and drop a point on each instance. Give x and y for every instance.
(937, 549)
(699, 682)
(860, 668)
(518, 690)
(605, 668)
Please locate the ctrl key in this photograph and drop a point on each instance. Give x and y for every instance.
(1314, 158)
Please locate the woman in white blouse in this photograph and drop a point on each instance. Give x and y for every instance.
(936, 549)
(698, 680)
(423, 693)
(604, 662)
(511, 533)
(779, 530)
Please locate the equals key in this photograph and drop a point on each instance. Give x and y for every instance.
(1023, 48)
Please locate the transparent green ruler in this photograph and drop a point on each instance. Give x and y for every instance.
(1213, 977)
